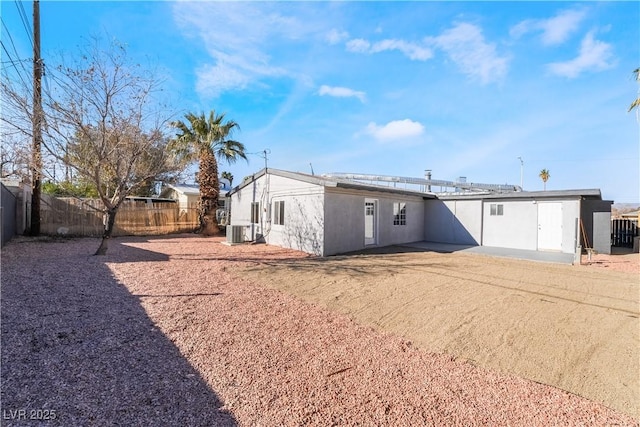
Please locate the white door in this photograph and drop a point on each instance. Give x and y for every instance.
(370, 208)
(550, 226)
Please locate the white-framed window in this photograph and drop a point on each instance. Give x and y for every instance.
(496, 209)
(278, 212)
(400, 213)
(255, 212)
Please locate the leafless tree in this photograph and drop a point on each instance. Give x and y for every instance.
(103, 120)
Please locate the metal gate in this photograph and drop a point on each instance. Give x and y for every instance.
(622, 232)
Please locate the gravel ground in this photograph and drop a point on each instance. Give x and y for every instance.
(161, 332)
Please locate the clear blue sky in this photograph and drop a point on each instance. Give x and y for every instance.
(462, 88)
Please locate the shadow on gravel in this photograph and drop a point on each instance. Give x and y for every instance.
(78, 349)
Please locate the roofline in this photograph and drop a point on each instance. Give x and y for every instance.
(328, 182)
(590, 193)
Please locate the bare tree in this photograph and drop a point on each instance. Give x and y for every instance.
(102, 121)
(14, 158)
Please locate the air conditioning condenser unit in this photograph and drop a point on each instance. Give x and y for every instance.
(235, 234)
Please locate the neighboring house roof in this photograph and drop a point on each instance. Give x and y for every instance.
(329, 182)
(635, 214)
(189, 189)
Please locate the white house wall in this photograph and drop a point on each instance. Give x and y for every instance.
(517, 227)
(453, 221)
(303, 212)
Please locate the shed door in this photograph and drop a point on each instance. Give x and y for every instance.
(550, 226)
(370, 208)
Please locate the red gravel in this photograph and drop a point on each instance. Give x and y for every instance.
(159, 332)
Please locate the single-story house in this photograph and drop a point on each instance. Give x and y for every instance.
(188, 195)
(326, 216)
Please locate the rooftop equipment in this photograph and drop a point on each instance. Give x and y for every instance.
(427, 183)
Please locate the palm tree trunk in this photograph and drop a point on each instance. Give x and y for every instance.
(209, 192)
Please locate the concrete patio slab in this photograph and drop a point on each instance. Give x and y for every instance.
(554, 257)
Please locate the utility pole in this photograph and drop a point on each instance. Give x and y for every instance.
(36, 167)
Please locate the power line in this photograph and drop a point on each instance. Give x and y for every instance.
(13, 62)
(16, 52)
(25, 20)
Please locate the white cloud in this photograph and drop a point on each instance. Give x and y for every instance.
(358, 46)
(335, 36)
(211, 80)
(341, 92)
(466, 46)
(395, 130)
(237, 36)
(410, 50)
(554, 30)
(595, 55)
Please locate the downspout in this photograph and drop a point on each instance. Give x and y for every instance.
(481, 222)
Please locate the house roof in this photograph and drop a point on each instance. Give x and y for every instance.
(591, 193)
(330, 183)
(633, 214)
(189, 189)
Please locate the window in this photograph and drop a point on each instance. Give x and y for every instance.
(496, 209)
(278, 213)
(255, 212)
(399, 214)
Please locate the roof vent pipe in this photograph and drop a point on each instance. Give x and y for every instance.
(427, 176)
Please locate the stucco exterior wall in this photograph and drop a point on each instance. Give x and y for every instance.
(453, 221)
(303, 213)
(517, 228)
(344, 220)
(570, 216)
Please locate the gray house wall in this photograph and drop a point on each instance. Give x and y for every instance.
(344, 222)
(344, 215)
(596, 220)
(453, 221)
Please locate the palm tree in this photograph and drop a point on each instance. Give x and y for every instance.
(636, 103)
(229, 177)
(204, 139)
(544, 176)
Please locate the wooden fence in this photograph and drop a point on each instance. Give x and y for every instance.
(76, 217)
(622, 232)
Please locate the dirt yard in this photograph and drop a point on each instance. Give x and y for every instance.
(184, 330)
(573, 327)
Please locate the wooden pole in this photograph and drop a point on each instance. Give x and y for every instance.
(36, 167)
